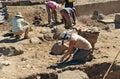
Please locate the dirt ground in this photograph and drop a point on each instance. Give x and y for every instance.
(36, 57)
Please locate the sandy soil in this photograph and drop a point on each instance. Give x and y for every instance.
(36, 57)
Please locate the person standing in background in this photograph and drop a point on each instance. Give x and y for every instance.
(68, 3)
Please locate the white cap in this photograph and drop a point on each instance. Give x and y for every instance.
(19, 14)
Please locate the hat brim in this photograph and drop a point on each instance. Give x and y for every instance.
(19, 16)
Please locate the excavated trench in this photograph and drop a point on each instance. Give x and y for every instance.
(96, 71)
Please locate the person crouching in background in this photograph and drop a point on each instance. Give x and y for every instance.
(19, 26)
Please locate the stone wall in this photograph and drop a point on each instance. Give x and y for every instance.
(21, 3)
(105, 8)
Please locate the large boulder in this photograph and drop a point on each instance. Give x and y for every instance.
(10, 51)
(90, 34)
(75, 74)
(97, 16)
(57, 32)
(58, 48)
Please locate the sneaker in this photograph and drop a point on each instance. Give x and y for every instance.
(74, 23)
(89, 58)
(17, 37)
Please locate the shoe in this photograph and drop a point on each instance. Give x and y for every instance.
(17, 37)
(89, 58)
(74, 23)
(56, 22)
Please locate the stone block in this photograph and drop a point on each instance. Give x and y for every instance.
(35, 40)
(58, 48)
(90, 34)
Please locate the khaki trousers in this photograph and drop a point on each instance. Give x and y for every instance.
(26, 31)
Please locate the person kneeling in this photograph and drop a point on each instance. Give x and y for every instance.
(78, 45)
(19, 26)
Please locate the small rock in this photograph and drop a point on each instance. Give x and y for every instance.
(48, 36)
(107, 28)
(41, 37)
(23, 59)
(75, 74)
(28, 66)
(35, 40)
(95, 15)
(99, 51)
(114, 46)
(116, 37)
(108, 47)
(5, 63)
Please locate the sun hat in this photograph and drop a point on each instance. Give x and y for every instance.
(19, 14)
(66, 36)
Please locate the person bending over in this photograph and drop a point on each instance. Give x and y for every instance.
(77, 43)
(69, 17)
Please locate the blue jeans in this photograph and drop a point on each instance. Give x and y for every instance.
(81, 54)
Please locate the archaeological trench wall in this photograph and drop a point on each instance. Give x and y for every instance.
(103, 7)
(85, 9)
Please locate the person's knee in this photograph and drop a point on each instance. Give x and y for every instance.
(27, 28)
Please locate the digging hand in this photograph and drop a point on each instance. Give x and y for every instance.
(61, 60)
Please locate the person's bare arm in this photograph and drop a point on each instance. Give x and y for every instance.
(68, 53)
(62, 1)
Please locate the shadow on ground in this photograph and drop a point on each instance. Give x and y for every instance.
(50, 25)
(69, 63)
(8, 40)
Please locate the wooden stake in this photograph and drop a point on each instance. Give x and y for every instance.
(111, 66)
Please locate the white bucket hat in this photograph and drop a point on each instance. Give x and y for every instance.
(66, 36)
(19, 14)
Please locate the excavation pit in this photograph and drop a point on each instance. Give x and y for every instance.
(10, 51)
(96, 71)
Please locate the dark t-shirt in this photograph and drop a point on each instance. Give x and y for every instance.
(68, 4)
